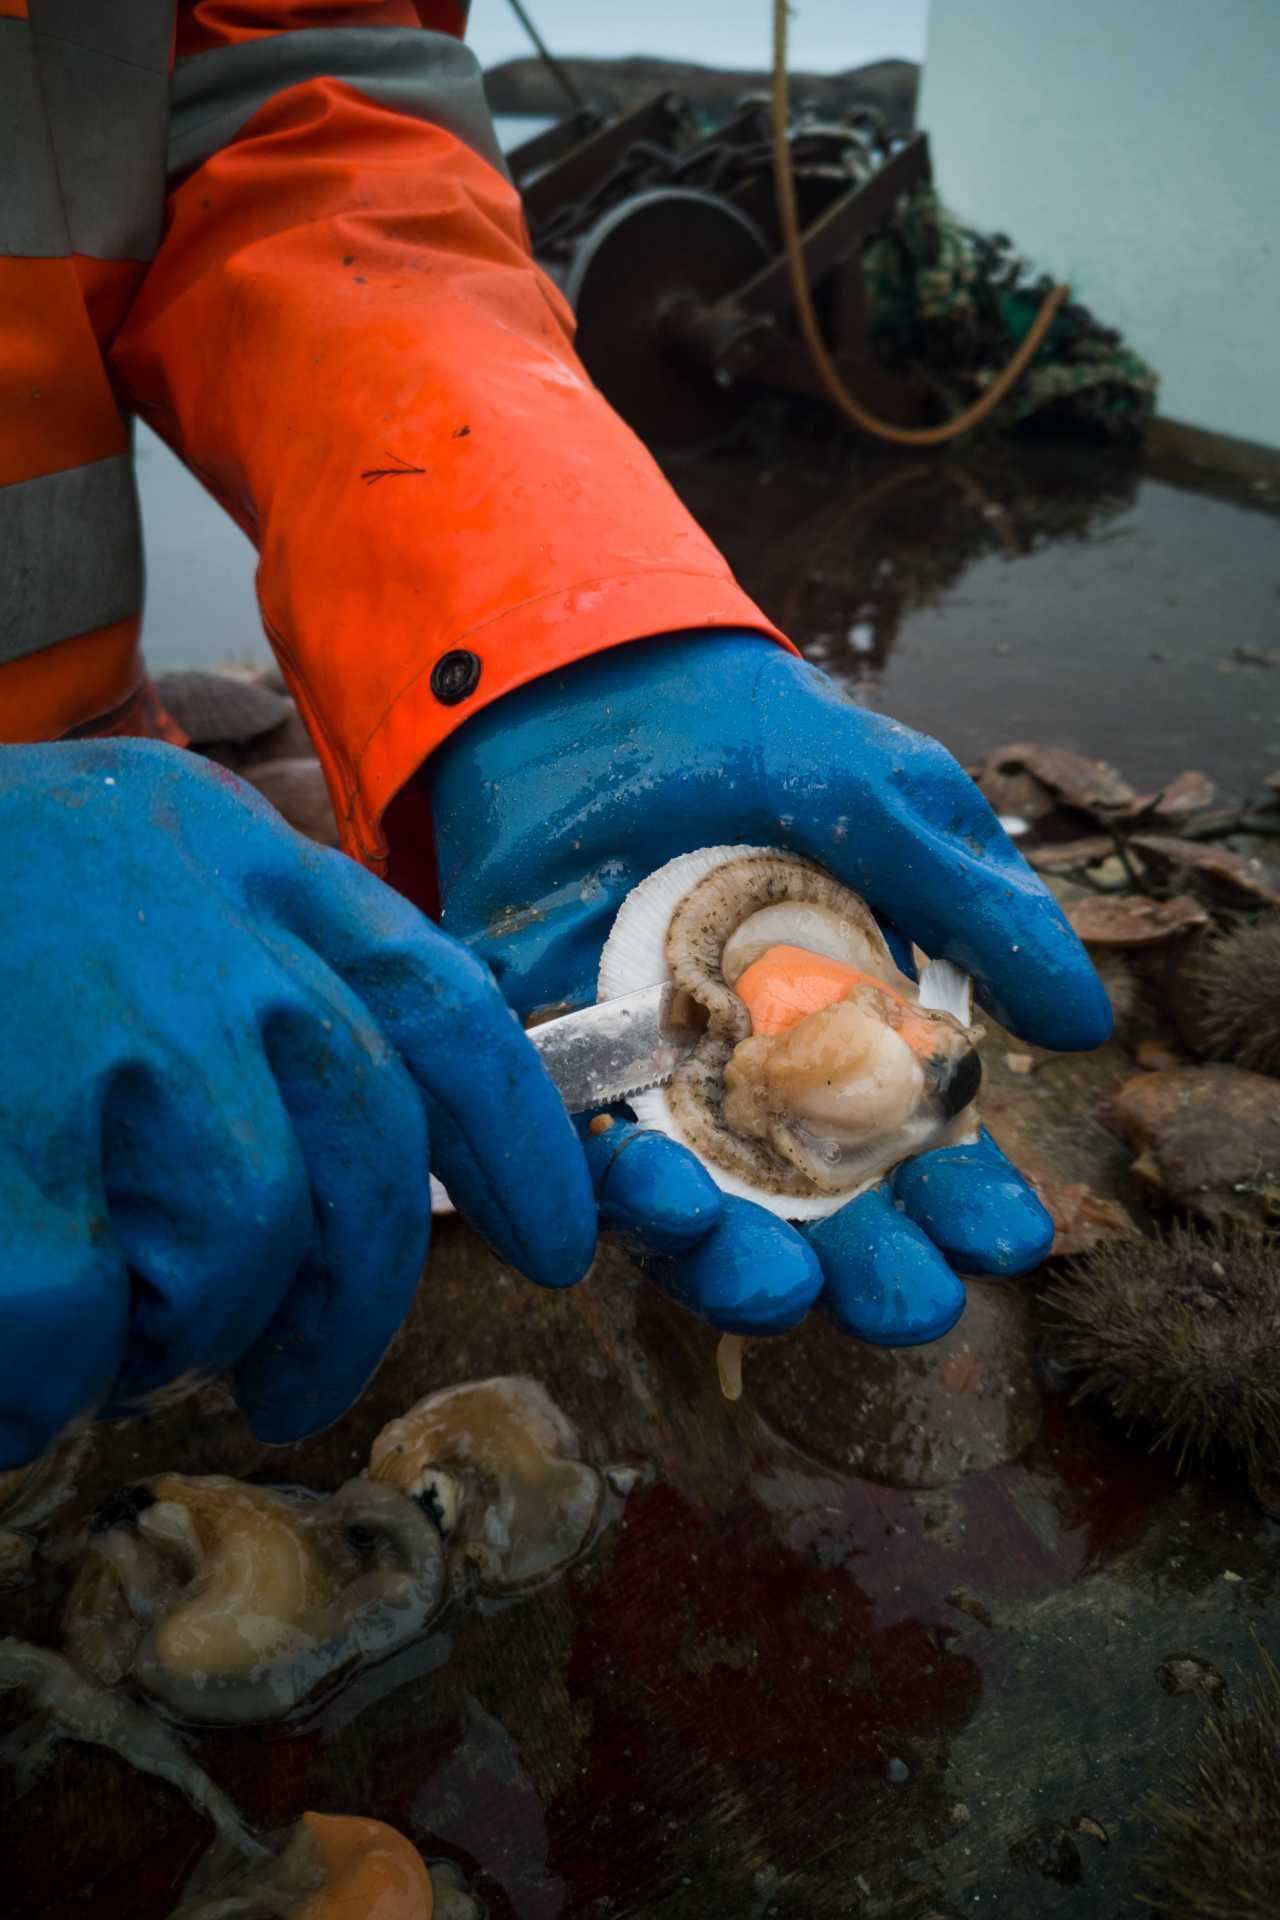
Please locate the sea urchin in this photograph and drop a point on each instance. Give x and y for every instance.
(1179, 1333)
(1217, 1851)
(1229, 998)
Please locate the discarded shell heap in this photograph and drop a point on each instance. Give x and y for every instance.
(822, 1065)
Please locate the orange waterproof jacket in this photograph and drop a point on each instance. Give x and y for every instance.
(334, 319)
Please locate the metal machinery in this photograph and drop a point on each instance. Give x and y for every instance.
(665, 241)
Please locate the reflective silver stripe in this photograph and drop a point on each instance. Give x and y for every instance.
(70, 555)
(32, 222)
(429, 75)
(103, 71)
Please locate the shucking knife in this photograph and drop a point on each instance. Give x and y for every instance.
(608, 1052)
(618, 1047)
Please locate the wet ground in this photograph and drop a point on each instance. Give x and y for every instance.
(891, 1635)
(1019, 590)
(780, 1682)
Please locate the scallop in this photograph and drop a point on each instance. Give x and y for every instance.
(331, 1867)
(497, 1466)
(215, 707)
(822, 1065)
(231, 1602)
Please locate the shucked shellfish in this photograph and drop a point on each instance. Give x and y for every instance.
(231, 1602)
(823, 1065)
(496, 1463)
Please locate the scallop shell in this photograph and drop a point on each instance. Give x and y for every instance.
(679, 925)
(216, 707)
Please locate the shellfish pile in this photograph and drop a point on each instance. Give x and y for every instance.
(823, 1064)
(227, 1602)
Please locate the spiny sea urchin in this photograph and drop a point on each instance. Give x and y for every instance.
(1217, 1846)
(1180, 1333)
(1122, 987)
(1229, 996)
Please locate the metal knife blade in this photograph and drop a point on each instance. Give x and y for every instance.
(615, 1048)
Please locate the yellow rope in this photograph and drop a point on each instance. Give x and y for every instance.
(785, 188)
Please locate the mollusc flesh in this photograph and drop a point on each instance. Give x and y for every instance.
(231, 1602)
(333, 1867)
(497, 1466)
(822, 1065)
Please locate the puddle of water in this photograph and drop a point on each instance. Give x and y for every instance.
(1038, 592)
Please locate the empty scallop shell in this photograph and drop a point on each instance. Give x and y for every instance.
(216, 707)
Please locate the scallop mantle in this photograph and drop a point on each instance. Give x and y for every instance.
(634, 957)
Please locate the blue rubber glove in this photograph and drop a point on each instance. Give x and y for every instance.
(225, 1057)
(555, 801)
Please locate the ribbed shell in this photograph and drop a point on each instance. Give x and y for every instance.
(213, 708)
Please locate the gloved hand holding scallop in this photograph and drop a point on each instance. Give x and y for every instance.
(823, 1065)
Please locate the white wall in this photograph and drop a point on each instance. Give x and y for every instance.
(1132, 147)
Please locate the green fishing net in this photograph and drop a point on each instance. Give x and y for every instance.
(951, 305)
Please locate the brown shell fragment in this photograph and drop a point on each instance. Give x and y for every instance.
(1072, 856)
(1238, 879)
(1208, 1137)
(1091, 786)
(296, 789)
(221, 707)
(1189, 793)
(1082, 1218)
(1132, 920)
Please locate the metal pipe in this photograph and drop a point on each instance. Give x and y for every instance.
(553, 65)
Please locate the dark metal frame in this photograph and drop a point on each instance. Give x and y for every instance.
(573, 172)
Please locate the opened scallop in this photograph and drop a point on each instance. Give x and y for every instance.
(823, 1065)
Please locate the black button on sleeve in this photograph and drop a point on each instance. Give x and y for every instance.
(454, 676)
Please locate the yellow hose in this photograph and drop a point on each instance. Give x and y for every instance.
(785, 188)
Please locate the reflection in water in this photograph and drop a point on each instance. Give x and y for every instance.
(1052, 590)
(855, 542)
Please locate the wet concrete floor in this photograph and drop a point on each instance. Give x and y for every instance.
(890, 1636)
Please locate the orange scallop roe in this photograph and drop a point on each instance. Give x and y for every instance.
(786, 983)
(371, 1872)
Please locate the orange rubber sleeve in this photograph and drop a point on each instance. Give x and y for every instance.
(345, 336)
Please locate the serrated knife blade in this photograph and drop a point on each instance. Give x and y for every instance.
(616, 1048)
